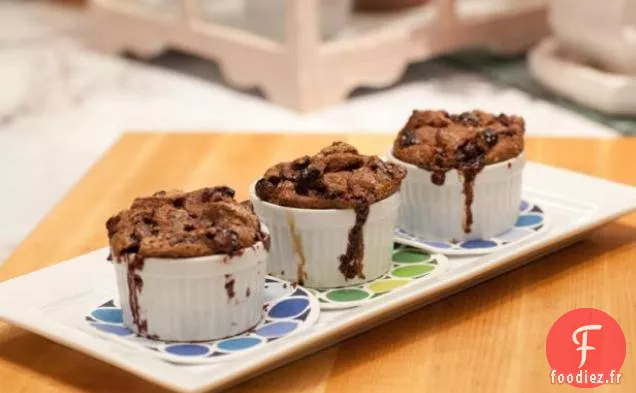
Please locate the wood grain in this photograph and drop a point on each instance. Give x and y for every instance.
(489, 338)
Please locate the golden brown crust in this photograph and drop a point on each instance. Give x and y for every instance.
(438, 141)
(183, 225)
(338, 177)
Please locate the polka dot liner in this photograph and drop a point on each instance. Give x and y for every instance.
(288, 310)
(532, 220)
(410, 265)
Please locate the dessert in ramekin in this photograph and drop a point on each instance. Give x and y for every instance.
(189, 266)
(464, 174)
(331, 216)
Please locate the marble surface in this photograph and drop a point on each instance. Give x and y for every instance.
(62, 105)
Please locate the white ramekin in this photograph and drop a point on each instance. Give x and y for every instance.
(310, 242)
(197, 299)
(437, 212)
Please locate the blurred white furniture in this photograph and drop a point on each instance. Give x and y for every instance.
(592, 57)
(267, 17)
(603, 31)
(302, 71)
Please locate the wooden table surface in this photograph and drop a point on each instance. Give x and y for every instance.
(490, 338)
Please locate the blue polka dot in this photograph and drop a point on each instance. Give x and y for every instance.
(523, 206)
(472, 244)
(187, 349)
(117, 330)
(238, 344)
(528, 220)
(289, 308)
(277, 329)
(438, 244)
(110, 315)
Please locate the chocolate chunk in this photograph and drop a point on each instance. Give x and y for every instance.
(503, 119)
(438, 144)
(301, 163)
(466, 119)
(216, 194)
(335, 178)
(179, 203)
(309, 178)
(265, 187)
(408, 138)
(132, 249)
(490, 136)
(183, 225)
(469, 151)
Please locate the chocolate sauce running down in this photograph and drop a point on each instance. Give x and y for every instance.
(351, 264)
(437, 141)
(469, 173)
(135, 285)
(266, 239)
(438, 178)
(470, 161)
(229, 286)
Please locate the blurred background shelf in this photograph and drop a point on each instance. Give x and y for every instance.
(322, 49)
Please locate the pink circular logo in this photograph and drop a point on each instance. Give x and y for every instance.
(586, 348)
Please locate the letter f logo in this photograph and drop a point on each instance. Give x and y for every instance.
(583, 344)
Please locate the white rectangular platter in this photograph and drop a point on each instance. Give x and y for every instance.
(54, 301)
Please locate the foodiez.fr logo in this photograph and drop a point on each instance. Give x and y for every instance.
(586, 348)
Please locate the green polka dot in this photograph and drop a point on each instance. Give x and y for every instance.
(347, 295)
(412, 271)
(411, 256)
(381, 286)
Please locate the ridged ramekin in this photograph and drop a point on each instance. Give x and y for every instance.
(197, 299)
(307, 243)
(437, 212)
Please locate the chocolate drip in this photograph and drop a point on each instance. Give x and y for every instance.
(229, 286)
(265, 238)
(267, 242)
(351, 264)
(469, 173)
(438, 178)
(437, 141)
(135, 285)
(297, 246)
